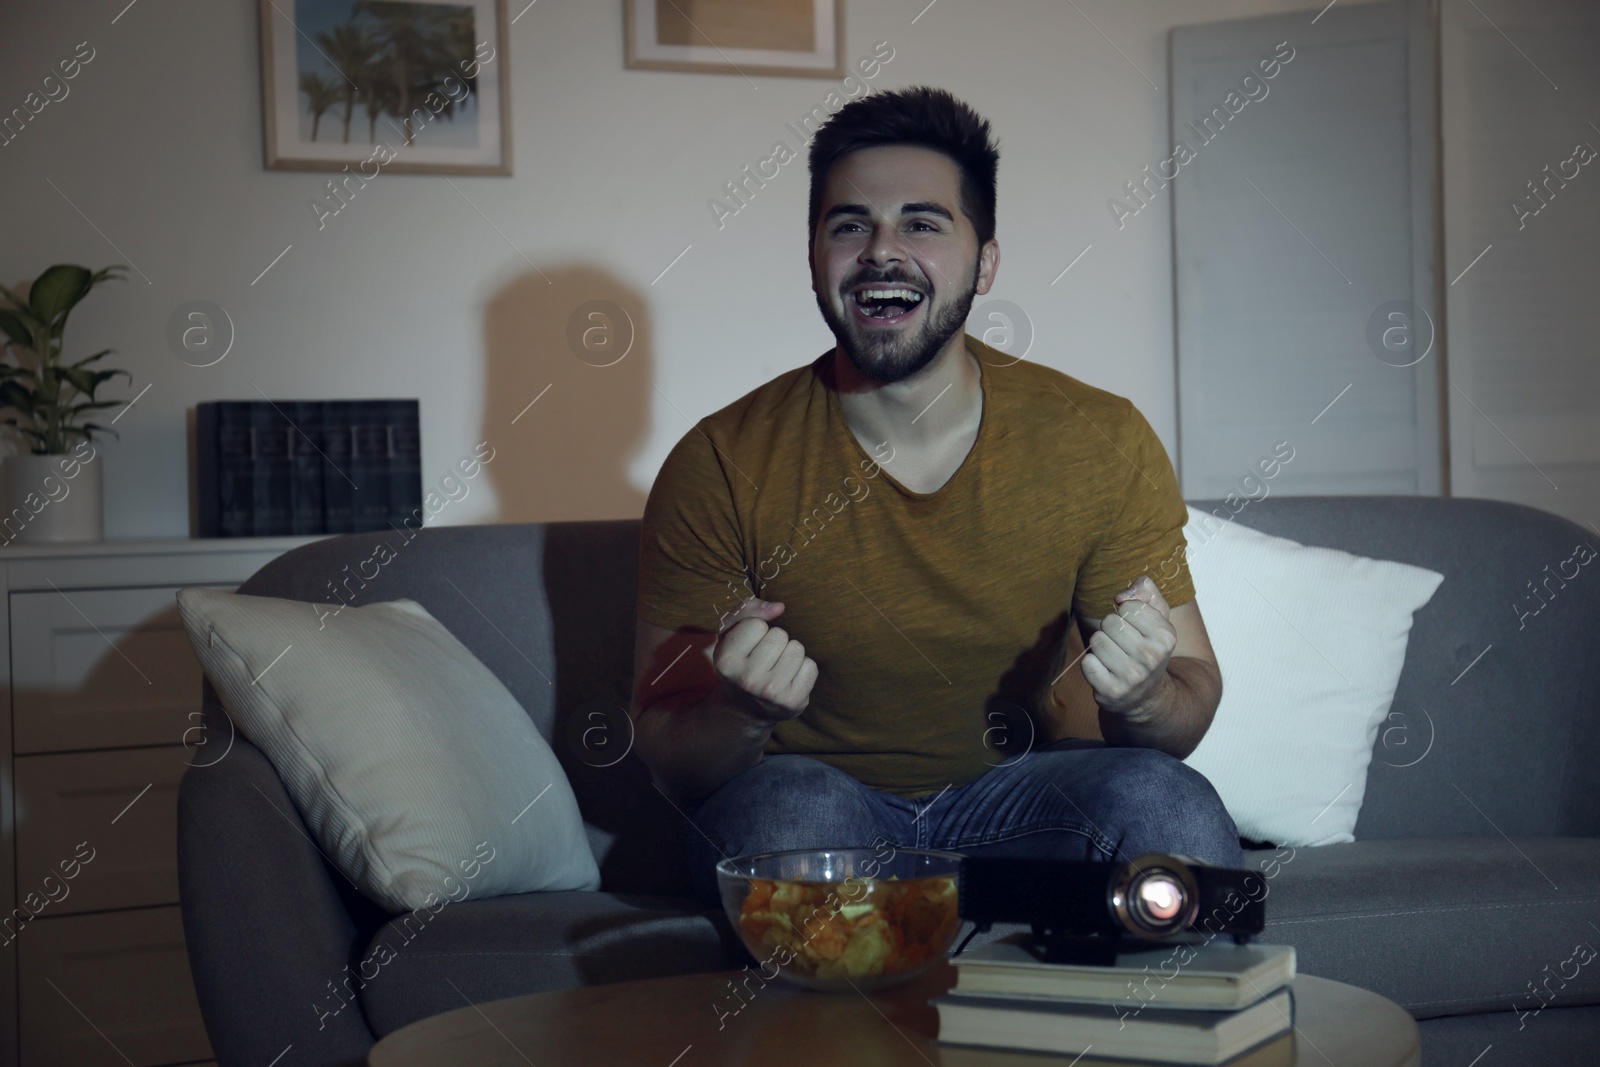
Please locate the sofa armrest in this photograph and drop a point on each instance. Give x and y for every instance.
(270, 925)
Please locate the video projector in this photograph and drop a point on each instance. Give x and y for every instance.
(1081, 910)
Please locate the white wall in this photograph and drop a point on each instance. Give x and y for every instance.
(410, 292)
(1522, 318)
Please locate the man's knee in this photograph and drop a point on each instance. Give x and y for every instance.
(1163, 804)
(782, 803)
(787, 802)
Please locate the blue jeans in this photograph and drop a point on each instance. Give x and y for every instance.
(1076, 799)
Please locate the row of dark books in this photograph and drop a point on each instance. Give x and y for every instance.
(275, 467)
(1161, 1002)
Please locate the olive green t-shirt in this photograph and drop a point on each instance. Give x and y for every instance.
(927, 613)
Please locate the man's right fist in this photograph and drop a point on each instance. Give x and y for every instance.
(761, 664)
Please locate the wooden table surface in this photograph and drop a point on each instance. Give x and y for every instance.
(687, 1021)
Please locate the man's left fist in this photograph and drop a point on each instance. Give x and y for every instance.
(1126, 659)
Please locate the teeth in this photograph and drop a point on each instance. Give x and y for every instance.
(909, 295)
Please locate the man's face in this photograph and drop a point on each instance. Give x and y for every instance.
(891, 222)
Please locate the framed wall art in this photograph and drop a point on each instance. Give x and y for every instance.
(409, 86)
(803, 38)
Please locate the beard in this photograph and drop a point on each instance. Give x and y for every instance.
(888, 355)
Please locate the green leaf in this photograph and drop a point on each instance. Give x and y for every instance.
(90, 359)
(15, 395)
(56, 291)
(100, 377)
(45, 396)
(87, 381)
(86, 405)
(21, 304)
(16, 329)
(87, 428)
(81, 380)
(22, 311)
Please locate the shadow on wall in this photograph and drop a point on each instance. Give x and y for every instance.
(575, 344)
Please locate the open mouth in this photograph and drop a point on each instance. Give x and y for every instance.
(886, 305)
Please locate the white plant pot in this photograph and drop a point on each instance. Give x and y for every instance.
(51, 499)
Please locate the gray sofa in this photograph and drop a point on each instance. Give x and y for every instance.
(1475, 875)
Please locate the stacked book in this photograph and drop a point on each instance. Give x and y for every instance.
(268, 468)
(1164, 1002)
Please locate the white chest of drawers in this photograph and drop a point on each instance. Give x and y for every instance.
(97, 723)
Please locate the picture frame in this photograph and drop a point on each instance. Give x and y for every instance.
(795, 38)
(403, 86)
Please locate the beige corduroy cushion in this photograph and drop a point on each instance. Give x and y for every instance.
(416, 770)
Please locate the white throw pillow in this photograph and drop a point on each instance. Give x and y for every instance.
(1311, 642)
(416, 770)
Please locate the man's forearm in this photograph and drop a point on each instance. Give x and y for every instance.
(693, 745)
(1176, 715)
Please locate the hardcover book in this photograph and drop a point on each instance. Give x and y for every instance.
(369, 465)
(405, 463)
(272, 468)
(1162, 1035)
(338, 488)
(306, 462)
(223, 468)
(1215, 975)
(270, 473)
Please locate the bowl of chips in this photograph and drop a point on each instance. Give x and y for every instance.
(844, 919)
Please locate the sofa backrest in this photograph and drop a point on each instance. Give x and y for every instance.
(498, 588)
(1494, 726)
(1510, 745)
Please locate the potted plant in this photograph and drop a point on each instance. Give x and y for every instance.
(53, 487)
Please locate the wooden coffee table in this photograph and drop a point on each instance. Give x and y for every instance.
(687, 1021)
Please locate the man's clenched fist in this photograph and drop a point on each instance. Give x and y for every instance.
(1127, 656)
(766, 668)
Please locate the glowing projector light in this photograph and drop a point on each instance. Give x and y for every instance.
(1153, 900)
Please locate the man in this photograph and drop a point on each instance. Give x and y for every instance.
(924, 517)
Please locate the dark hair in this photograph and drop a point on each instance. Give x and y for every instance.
(923, 116)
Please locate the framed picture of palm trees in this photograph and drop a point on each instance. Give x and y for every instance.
(406, 86)
(798, 38)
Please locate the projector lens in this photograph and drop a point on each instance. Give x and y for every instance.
(1155, 896)
(1160, 897)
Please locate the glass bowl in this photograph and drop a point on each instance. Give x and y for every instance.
(843, 919)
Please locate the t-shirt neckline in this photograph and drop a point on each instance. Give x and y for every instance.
(836, 415)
